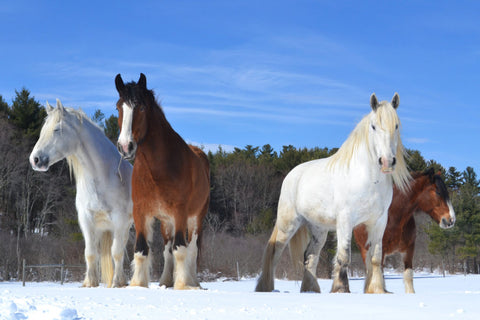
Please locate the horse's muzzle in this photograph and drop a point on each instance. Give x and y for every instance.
(128, 150)
(447, 223)
(39, 162)
(387, 166)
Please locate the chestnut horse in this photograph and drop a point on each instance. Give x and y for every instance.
(427, 193)
(170, 182)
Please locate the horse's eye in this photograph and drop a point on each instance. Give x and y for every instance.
(396, 126)
(373, 127)
(142, 108)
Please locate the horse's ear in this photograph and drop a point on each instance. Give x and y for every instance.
(119, 84)
(395, 100)
(49, 107)
(374, 102)
(430, 173)
(142, 82)
(60, 105)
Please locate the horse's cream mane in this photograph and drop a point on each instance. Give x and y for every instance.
(387, 119)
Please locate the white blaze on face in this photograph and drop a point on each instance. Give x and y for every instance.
(452, 215)
(389, 146)
(126, 132)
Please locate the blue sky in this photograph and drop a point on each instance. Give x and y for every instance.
(255, 72)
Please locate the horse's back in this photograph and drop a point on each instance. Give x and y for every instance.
(201, 155)
(301, 185)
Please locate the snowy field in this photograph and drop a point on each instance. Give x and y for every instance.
(452, 297)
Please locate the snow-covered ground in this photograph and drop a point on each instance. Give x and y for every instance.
(452, 297)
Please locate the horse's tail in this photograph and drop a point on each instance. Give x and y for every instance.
(106, 264)
(265, 281)
(298, 245)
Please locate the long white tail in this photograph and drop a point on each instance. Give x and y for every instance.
(265, 282)
(106, 263)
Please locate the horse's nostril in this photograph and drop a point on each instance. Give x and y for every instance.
(380, 161)
(35, 160)
(394, 161)
(130, 146)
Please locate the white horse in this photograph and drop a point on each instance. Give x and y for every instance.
(352, 187)
(103, 182)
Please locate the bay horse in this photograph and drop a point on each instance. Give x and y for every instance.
(170, 182)
(427, 193)
(103, 183)
(352, 187)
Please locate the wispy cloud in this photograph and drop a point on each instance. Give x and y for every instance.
(417, 140)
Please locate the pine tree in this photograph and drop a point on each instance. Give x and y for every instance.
(453, 179)
(27, 114)
(267, 154)
(468, 220)
(415, 161)
(98, 117)
(3, 106)
(112, 130)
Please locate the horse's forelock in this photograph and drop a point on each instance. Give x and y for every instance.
(441, 187)
(53, 117)
(135, 95)
(387, 116)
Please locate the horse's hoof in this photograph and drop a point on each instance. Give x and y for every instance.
(186, 287)
(381, 291)
(137, 284)
(88, 284)
(340, 290)
(119, 285)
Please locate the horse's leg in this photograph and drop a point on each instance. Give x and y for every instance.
(312, 255)
(184, 257)
(287, 224)
(167, 275)
(120, 238)
(342, 258)
(195, 225)
(141, 258)
(91, 254)
(409, 240)
(408, 271)
(374, 280)
(360, 234)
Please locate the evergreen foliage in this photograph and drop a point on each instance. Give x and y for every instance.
(27, 114)
(245, 187)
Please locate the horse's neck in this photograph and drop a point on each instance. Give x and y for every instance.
(162, 144)
(405, 204)
(87, 163)
(363, 159)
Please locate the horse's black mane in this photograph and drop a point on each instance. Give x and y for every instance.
(441, 187)
(134, 95)
(439, 183)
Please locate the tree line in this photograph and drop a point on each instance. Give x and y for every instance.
(38, 216)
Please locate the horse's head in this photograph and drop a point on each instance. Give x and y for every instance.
(435, 201)
(55, 141)
(383, 132)
(133, 108)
